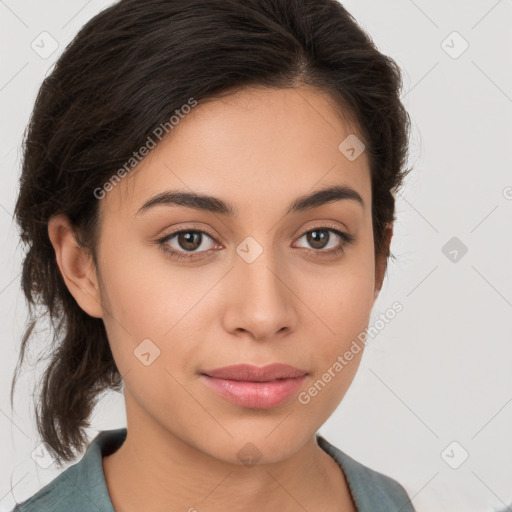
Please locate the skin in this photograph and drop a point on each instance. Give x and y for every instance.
(258, 149)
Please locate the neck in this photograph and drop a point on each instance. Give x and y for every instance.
(156, 470)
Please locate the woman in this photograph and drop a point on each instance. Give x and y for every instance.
(207, 197)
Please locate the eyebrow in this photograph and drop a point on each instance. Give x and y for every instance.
(216, 205)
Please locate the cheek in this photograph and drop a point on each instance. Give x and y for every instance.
(343, 299)
(343, 303)
(148, 298)
(344, 306)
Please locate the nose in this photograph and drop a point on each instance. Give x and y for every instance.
(261, 299)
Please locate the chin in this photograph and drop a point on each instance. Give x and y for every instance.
(255, 442)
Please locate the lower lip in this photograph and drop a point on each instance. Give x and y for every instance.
(255, 395)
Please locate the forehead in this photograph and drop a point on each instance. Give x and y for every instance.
(258, 146)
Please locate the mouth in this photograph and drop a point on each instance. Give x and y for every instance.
(255, 387)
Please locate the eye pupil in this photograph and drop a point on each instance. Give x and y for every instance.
(189, 240)
(318, 238)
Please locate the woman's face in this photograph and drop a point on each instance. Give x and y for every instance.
(261, 285)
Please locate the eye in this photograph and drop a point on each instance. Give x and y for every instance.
(187, 243)
(323, 242)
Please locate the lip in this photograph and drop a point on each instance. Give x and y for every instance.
(255, 387)
(249, 372)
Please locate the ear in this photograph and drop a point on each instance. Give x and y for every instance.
(76, 265)
(381, 261)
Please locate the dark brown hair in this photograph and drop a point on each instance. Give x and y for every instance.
(125, 73)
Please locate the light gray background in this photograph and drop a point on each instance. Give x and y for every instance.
(441, 370)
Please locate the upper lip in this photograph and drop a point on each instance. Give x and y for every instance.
(248, 372)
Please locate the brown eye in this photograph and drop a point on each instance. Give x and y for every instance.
(318, 238)
(186, 243)
(326, 241)
(189, 240)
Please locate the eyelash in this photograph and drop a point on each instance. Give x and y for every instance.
(346, 240)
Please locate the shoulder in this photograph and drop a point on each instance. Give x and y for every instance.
(59, 495)
(81, 487)
(370, 489)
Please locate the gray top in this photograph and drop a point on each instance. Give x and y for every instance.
(82, 487)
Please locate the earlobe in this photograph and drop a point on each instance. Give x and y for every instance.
(76, 265)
